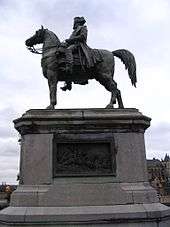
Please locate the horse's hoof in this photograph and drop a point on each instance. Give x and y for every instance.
(50, 107)
(121, 107)
(109, 106)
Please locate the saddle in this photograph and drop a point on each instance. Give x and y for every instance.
(79, 59)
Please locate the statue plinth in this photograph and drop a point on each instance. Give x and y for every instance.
(81, 167)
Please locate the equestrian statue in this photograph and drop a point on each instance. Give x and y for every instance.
(73, 61)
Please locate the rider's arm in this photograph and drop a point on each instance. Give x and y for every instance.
(82, 37)
(83, 34)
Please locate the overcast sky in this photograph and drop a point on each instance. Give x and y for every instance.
(141, 26)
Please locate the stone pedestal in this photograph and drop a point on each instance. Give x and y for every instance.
(84, 167)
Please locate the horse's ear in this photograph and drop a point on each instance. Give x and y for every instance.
(42, 27)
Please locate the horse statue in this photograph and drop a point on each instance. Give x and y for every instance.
(53, 66)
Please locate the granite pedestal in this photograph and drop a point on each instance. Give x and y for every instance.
(84, 167)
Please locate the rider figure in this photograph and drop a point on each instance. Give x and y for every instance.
(78, 41)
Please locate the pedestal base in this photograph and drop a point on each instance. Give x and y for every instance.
(84, 167)
(136, 215)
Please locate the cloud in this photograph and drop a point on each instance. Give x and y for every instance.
(156, 11)
(158, 141)
(157, 133)
(9, 146)
(9, 164)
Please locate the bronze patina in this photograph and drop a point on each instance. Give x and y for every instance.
(74, 61)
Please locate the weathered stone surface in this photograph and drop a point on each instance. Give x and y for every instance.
(136, 215)
(85, 194)
(28, 195)
(118, 196)
(82, 120)
(131, 164)
(142, 192)
(36, 163)
(47, 133)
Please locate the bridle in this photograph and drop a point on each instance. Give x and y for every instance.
(34, 50)
(39, 50)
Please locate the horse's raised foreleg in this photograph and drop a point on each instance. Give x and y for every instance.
(52, 83)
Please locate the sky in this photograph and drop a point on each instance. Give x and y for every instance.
(141, 26)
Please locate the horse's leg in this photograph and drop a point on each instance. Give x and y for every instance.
(119, 99)
(113, 89)
(106, 80)
(52, 83)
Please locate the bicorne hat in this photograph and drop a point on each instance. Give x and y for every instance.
(79, 20)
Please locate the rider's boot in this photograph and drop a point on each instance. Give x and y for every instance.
(67, 86)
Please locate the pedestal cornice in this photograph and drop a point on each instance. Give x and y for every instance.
(43, 121)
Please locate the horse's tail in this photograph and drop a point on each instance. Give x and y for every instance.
(130, 64)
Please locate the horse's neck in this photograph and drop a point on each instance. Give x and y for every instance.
(50, 40)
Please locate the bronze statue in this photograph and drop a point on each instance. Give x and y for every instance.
(77, 42)
(73, 61)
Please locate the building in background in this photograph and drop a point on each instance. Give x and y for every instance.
(5, 194)
(159, 177)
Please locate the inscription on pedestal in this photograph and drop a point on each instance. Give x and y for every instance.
(83, 158)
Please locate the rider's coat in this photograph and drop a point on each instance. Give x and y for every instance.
(78, 40)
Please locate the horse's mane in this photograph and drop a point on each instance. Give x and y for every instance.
(53, 36)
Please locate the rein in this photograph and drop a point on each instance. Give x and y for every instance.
(39, 50)
(35, 50)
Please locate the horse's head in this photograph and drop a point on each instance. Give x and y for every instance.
(36, 39)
